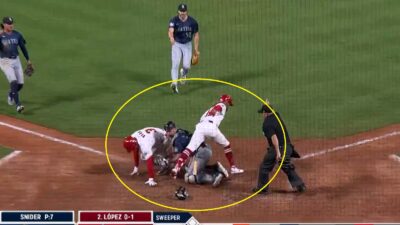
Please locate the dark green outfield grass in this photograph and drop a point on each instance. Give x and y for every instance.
(4, 152)
(331, 68)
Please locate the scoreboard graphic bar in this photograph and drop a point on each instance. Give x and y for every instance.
(115, 216)
(38, 217)
(121, 218)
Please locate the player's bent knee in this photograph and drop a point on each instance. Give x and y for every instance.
(288, 167)
(190, 178)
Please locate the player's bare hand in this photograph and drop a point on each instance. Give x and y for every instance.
(151, 182)
(278, 156)
(135, 171)
(196, 52)
(172, 41)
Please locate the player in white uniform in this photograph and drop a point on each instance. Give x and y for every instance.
(208, 128)
(146, 142)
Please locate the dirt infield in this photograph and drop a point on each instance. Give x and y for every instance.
(356, 183)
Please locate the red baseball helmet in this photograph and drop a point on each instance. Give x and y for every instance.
(226, 98)
(131, 144)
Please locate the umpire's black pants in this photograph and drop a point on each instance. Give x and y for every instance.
(269, 162)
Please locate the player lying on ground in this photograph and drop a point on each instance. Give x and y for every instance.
(196, 171)
(145, 143)
(208, 128)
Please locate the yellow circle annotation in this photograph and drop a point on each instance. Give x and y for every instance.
(184, 209)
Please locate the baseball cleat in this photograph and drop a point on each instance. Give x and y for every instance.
(300, 189)
(222, 169)
(183, 76)
(235, 170)
(262, 192)
(217, 180)
(10, 100)
(20, 108)
(175, 88)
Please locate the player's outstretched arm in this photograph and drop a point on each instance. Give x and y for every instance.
(135, 157)
(23, 48)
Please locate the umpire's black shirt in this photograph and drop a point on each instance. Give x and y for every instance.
(271, 126)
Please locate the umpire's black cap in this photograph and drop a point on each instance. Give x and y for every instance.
(264, 109)
(169, 126)
(182, 7)
(8, 20)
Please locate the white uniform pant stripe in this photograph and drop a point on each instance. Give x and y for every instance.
(228, 150)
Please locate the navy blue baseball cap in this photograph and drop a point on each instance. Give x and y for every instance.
(182, 7)
(8, 20)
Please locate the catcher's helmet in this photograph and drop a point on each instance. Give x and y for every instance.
(226, 98)
(181, 193)
(169, 126)
(131, 144)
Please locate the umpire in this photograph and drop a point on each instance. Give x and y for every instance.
(273, 132)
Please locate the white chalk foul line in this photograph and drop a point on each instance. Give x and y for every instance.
(337, 148)
(50, 138)
(9, 156)
(54, 139)
(394, 157)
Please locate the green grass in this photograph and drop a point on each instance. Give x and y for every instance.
(4, 152)
(330, 67)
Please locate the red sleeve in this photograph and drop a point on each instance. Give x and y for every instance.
(214, 110)
(150, 167)
(135, 156)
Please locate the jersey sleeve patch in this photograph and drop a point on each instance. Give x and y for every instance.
(171, 24)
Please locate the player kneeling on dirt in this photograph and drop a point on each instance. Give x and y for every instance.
(145, 143)
(197, 171)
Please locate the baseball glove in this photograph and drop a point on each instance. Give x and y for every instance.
(181, 193)
(195, 58)
(29, 70)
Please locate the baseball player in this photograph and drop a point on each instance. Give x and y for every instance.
(273, 132)
(198, 172)
(182, 29)
(10, 64)
(146, 142)
(208, 128)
